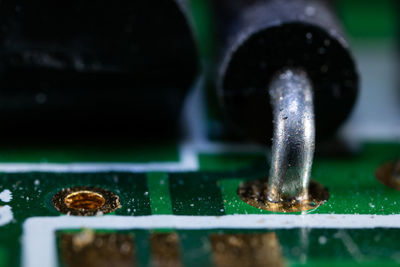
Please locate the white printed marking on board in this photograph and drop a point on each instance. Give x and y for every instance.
(187, 155)
(39, 240)
(6, 215)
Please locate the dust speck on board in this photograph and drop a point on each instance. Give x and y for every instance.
(6, 195)
(322, 240)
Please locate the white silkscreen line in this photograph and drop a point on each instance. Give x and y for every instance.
(39, 240)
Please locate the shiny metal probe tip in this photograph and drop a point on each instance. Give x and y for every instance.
(291, 97)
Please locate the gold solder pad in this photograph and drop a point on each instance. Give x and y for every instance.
(388, 174)
(246, 250)
(165, 251)
(90, 249)
(254, 193)
(86, 201)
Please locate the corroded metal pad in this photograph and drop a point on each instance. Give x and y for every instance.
(90, 249)
(246, 250)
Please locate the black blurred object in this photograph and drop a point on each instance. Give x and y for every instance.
(260, 38)
(94, 67)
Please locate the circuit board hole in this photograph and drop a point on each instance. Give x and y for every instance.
(87, 200)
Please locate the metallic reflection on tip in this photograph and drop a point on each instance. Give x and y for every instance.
(293, 144)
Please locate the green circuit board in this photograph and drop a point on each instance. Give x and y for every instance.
(176, 203)
(183, 198)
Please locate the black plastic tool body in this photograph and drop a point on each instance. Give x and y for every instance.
(94, 66)
(260, 38)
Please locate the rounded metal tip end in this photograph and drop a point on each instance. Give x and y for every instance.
(291, 97)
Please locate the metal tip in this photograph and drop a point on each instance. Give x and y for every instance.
(293, 144)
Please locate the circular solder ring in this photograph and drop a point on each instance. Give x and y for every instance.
(86, 201)
(389, 174)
